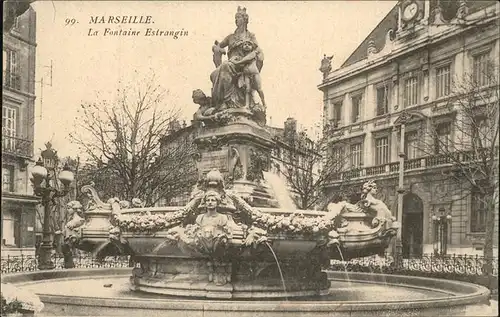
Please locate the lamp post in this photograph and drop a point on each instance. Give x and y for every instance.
(403, 119)
(440, 220)
(401, 192)
(44, 185)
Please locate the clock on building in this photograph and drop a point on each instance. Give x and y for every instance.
(410, 11)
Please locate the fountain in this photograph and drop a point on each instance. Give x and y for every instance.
(238, 246)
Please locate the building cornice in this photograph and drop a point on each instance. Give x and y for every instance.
(20, 198)
(16, 92)
(13, 34)
(427, 38)
(12, 99)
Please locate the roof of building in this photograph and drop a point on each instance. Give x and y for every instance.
(12, 10)
(275, 131)
(390, 21)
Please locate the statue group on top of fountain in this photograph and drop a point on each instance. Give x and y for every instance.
(235, 81)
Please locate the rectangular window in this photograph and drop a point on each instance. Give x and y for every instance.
(443, 81)
(9, 126)
(11, 78)
(478, 213)
(356, 108)
(382, 100)
(484, 131)
(337, 154)
(442, 140)
(337, 114)
(7, 178)
(481, 69)
(277, 153)
(411, 91)
(4, 63)
(382, 150)
(9, 228)
(356, 153)
(411, 145)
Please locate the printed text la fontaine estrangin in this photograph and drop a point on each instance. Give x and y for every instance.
(132, 22)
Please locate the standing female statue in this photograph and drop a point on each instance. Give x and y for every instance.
(228, 89)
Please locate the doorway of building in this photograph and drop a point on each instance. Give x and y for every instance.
(413, 226)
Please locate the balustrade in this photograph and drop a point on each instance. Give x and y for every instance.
(413, 164)
(17, 146)
(375, 170)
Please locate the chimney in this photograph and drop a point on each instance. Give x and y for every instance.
(290, 129)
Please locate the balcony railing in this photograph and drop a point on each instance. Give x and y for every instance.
(11, 80)
(415, 164)
(375, 170)
(17, 146)
(442, 159)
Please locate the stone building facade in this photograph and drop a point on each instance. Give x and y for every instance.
(18, 102)
(179, 136)
(294, 151)
(407, 64)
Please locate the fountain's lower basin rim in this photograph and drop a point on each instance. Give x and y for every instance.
(454, 296)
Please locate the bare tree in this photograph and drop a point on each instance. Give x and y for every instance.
(309, 166)
(122, 142)
(469, 144)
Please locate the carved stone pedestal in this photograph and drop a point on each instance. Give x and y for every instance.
(241, 151)
(240, 278)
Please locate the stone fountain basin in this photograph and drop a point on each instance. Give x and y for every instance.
(81, 292)
(360, 240)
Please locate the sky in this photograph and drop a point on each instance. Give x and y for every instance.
(293, 36)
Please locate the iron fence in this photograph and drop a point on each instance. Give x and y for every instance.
(465, 268)
(28, 263)
(428, 263)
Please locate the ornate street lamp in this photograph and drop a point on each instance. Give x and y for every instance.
(44, 185)
(441, 220)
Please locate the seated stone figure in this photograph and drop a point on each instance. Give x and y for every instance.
(206, 109)
(375, 206)
(226, 92)
(72, 233)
